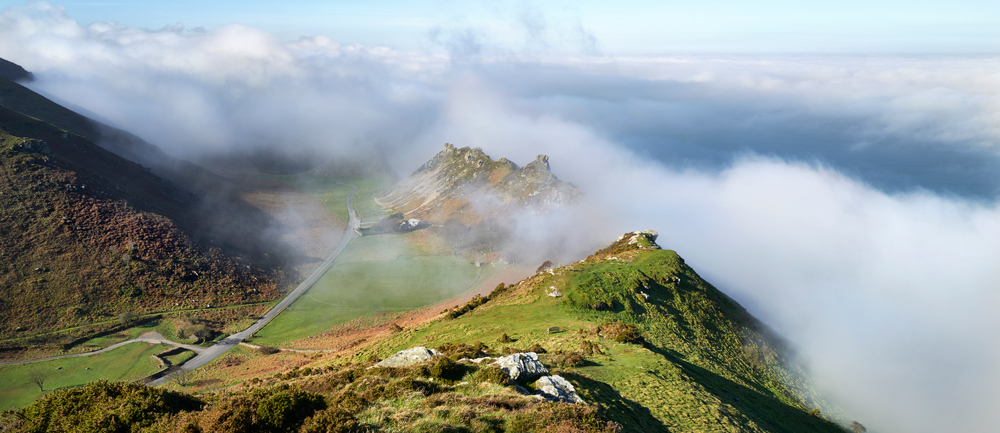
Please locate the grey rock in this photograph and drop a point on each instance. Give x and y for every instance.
(408, 357)
(555, 388)
(522, 366)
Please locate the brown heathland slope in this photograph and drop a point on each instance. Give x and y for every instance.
(88, 235)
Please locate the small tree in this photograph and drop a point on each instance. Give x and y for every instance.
(856, 427)
(38, 378)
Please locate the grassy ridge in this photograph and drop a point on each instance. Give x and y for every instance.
(705, 365)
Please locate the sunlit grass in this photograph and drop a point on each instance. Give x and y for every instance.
(129, 362)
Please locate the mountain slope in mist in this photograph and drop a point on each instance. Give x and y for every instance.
(89, 236)
(467, 185)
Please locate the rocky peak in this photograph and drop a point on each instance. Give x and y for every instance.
(455, 175)
(638, 240)
(541, 161)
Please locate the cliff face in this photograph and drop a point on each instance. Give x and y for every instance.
(467, 185)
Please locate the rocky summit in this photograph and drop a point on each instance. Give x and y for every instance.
(468, 185)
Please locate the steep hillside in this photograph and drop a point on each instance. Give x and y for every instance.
(469, 186)
(14, 72)
(645, 343)
(88, 236)
(640, 335)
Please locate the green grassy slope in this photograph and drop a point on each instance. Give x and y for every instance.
(130, 362)
(375, 275)
(705, 365)
(685, 358)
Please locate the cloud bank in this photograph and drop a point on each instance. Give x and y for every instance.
(850, 202)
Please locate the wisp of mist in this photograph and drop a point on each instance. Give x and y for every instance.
(849, 202)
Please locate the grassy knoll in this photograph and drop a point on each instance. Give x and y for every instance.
(129, 362)
(375, 276)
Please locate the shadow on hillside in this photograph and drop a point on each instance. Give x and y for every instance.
(759, 405)
(630, 414)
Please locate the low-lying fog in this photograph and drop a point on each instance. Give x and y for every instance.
(849, 201)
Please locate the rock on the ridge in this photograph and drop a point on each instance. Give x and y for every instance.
(522, 366)
(408, 357)
(555, 388)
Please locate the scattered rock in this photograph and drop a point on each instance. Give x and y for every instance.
(408, 357)
(555, 388)
(553, 292)
(522, 366)
(34, 146)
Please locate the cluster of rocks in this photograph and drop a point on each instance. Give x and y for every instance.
(34, 146)
(520, 367)
(644, 239)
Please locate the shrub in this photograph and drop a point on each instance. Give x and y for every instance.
(558, 417)
(469, 306)
(506, 338)
(545, 266)
(572, 359)
(590, 348)
(411, 384)
(101, 406)
(332, 420)
(266, 350)
(621, 332)
(445, 368)
(490, 374)
(458, 351)
(284, 410)
(537, 348)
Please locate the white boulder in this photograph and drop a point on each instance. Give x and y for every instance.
(408, 357)
(555, 388)
(522, 366)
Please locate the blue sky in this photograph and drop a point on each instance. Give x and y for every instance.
(617, 27)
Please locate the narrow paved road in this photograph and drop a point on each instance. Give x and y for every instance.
(149, 337)
(210, 353)
(207, 354)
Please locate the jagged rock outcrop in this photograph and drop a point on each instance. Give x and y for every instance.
(555, 388)
(522, 366)
(447, 185)
(408, 357)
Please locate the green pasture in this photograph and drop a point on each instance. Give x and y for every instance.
(375, 275)
(129, 362)
(333, 191)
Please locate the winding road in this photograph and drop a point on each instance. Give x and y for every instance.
(208, 354)
(223, 346)
(152, 337)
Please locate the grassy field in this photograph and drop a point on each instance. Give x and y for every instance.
(129, 362)
(375, 275)
(333, 191)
